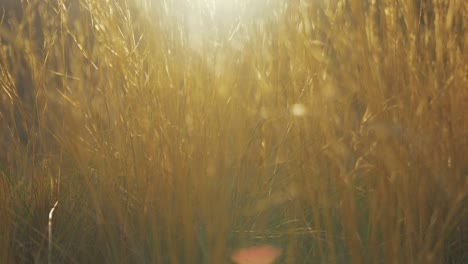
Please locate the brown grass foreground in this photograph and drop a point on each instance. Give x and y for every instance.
(177, 131)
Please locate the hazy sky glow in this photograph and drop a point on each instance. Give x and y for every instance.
(213, 21)
(208, 23)
(223, 20)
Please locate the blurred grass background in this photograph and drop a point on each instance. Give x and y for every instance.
(177, 131)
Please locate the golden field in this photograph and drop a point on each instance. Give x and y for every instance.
(178, 131)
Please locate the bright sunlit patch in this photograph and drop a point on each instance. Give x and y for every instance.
(298, 110)
(212, 24)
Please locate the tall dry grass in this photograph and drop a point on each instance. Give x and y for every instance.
(178, 131)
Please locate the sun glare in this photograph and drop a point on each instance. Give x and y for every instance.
(211, 22)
